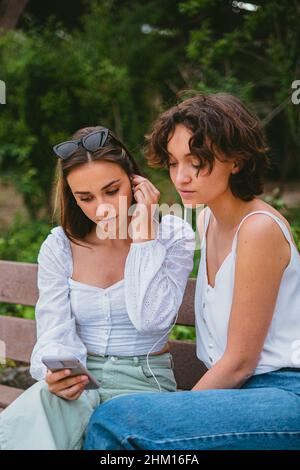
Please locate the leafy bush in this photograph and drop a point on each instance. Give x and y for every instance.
(22, 241)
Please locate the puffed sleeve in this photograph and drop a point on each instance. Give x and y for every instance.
(56, 328)
(156, 274)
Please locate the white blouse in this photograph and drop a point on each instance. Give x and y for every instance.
(213, 307)
(131, 317)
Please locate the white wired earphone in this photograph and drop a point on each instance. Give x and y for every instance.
(165, 334)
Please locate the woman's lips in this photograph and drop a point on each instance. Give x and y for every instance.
(186, 193)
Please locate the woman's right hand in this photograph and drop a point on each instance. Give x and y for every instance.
(66, 387)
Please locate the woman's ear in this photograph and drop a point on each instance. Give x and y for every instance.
(236, 168)
(131, 182)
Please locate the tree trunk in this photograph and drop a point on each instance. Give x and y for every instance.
(10, 12)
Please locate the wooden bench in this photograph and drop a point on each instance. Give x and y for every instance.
(18, 285)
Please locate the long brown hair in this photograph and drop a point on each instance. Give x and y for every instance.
(74, 222)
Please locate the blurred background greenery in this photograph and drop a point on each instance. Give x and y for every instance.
(119, 63)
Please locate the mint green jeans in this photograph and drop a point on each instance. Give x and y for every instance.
(39, 419)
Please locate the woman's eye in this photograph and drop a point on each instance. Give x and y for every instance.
(199, 164)
(196, 163)
(112, 192)
(171, 164)
(88, 199)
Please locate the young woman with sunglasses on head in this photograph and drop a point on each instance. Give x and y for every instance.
(107, 299)
(247, 299)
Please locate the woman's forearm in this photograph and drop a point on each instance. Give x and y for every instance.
(224, 374)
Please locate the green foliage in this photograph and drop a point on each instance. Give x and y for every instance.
(8, 363)
(17, 310)
(256, 57)
(125, 62)
(296, 234)
(275, 200)
(293, 216)
(58, 81)
(22, 240)
(53, 89)
(184, 333)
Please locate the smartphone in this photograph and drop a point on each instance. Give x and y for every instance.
(55, 363)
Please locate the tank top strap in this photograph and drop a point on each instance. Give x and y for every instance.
(276, 219)
(207, 213)
(206, 218)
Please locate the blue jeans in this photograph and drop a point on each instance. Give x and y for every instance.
(263, 414)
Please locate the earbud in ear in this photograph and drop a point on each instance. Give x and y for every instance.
(236, 169)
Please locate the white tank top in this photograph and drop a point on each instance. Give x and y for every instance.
(213, 306)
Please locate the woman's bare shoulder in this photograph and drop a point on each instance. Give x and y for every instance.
(260, 205)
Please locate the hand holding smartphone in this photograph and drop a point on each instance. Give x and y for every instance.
(55, 364)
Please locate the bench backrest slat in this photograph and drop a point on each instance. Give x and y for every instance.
(18, 283)
(19, 336)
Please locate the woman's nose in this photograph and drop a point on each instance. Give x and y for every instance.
(182, 177)
(104, 210)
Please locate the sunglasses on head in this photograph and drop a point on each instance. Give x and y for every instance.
(91, 142)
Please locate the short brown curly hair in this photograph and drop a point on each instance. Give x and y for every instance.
(221, 125)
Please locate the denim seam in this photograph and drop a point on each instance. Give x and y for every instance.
(211, 436)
